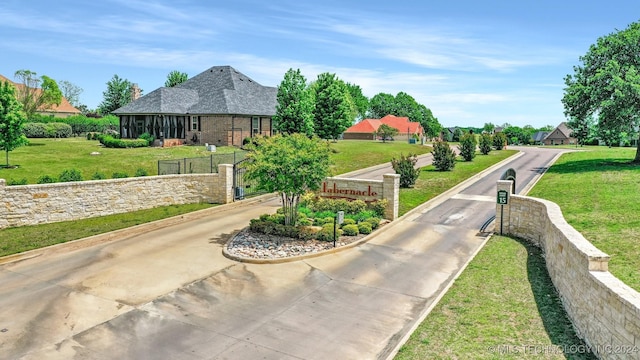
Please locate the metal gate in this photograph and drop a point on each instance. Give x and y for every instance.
(242, 187)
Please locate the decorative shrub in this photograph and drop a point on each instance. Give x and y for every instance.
(70, 175)
(141, 172)
(444, 158)
(405, 167)
(119, 175)
(499, 140)
(365, 228)
(378, 207)
(374, 221)
(58, 130)
(485, 144)
(303, 221)
(34, 130)
(348, 222)
(22, 181)
(350, 230)
(308, 232)
(47, 130)
(112, 142)
(335, 205)
(326, 233)
(467, 146)
(46, 179)
(98, 176)
(148, 137)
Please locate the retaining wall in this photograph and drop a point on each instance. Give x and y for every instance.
(366, 190)
(603, 309)
(46, 203)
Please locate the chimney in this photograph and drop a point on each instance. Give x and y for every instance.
(135, 92)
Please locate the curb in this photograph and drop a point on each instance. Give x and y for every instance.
(129, 232)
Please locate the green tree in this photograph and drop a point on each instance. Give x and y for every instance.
(499, 140)
(444, 158)
(457, 134)
(485, 143)
(36, 94)
(405, 167)
(405, 105)
(488, 128)
(360, 102)
(332, 115)
(117, 95)
(607, 84)
(175, 78)
(386, 132)
(581, 129)
(294, 110)
(291, 165)
(71, 92)
(11, 120)
(467, 146)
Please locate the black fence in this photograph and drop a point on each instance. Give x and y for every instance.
(199, 165)
(243, 187)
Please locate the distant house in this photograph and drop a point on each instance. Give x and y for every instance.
(561, 135)
(538, 137)
(65, 108)
(220, 106)
(367, 128)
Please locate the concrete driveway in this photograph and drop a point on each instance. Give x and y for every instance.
(168, 293)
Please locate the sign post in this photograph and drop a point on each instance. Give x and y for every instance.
(502, 199)
(337, 220)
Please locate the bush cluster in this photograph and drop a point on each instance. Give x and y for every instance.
(80, 124)
(444, 158)
(467, 146)
(49, 130)
(112, 142)
(485, 144)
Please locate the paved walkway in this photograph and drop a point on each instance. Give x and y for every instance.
(168, 293)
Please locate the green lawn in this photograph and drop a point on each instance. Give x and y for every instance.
(432, 183)
(503, 306)
(598, 191)
(349, 155)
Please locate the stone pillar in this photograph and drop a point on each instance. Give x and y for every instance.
(503, 212)
(4, 208)
(225, 172)
(391, 192)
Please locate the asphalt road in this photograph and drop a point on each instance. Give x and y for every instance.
(170, 294)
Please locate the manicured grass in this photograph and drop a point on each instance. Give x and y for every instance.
(432, 183)
(502, 306)
(598, 191)
(52, 156)
(350, 155)
(20, 239)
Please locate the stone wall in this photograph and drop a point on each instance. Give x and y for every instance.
(366, 190)
(603, 309)
(46, 203)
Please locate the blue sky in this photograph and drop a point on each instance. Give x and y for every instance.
(470, 62)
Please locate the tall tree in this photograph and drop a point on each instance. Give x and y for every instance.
(582, 128)
(11, 120)
(386, 132)
(294, 110)
(332, 115)
(175, 78)
(488, 128)
(36, 94)
(360, 102)
(405, 105)
(607, 84)
(382, 104)
(118, 94)
(71, 92)
(291, 165)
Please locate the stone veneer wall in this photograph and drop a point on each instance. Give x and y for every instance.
(603, 309)
(46, 203)
(388, 188)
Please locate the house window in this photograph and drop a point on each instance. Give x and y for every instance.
(255, 125)
(195, 122)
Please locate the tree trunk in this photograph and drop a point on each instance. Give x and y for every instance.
(290, 208)
(637, 159)
(7, 158)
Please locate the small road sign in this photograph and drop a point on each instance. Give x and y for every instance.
(503, 197)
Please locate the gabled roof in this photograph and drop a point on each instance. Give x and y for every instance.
(365, 126)
(217, 90)
(562, 131)
(399, 123)
(540, 135)
(64, 107)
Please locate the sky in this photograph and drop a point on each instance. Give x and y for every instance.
(470, 62)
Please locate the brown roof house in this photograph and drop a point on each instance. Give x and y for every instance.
(367, 128)
(561, 135)
(220, 106)
(65, 108)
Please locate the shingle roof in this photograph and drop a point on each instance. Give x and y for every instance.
(217, 90)
(562, 131)
(367, 126)
(64, 107)
(400, 123)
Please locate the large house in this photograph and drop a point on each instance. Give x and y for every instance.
(367, 129)
(65, 108)
(561, 135)
(220, 106)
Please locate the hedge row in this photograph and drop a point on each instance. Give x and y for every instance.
(48, 130)
(80, 124)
